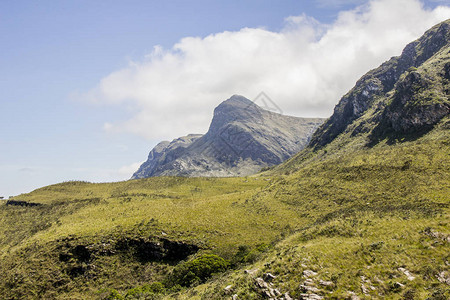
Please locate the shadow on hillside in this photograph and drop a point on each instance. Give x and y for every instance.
(381, 132)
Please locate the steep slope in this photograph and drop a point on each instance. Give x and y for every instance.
(406, 95)
(242, 139)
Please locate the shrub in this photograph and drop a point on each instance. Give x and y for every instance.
(247, 255)
(197, 270)
(114, 295)
(152, 291)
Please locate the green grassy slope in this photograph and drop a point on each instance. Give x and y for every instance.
(366, 213)
(216, 215)
(363, 216)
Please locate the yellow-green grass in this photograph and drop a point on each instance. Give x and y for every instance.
(360, 212)
(371, 255)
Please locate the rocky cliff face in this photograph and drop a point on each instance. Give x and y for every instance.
(242, 139)
(405, 95)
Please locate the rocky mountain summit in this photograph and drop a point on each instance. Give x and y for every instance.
(242, 139)
(404, 97)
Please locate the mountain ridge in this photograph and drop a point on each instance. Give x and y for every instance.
(242, 138)
(378, 82)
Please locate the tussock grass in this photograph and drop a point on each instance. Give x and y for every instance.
(355, 217)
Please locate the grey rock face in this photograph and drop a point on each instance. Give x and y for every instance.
(408, 109)
(242, 139)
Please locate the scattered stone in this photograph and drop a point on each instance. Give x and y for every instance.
(228, 289)
(269, 277)
(251, 272)
(437, 235)
(235, 297)
(310, 297)
(309, 273)
(353, 296)
(378, 280)
(277, 292)
(309, 282)
(326, 283)
(398, 285)
(287, 296)
(407, 273)
(268, 291)
(444, 277)
(364, 289)
(261, 283)
(307, 288)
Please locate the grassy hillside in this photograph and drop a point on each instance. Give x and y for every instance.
(363, 212)
(354, 219)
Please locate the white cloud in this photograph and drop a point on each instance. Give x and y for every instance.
(305, 68)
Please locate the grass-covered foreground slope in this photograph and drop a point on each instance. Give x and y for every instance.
(367, 219)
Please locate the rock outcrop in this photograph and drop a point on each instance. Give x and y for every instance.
(242, 139)
(406, 95)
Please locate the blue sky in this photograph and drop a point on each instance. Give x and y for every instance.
(87, 88)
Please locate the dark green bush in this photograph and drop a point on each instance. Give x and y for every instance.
(247, 255)
(113, 295)
(197, 270)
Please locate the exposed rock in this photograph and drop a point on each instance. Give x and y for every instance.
(326, 283)
(267, 290)
(228, 289)
(251, 272)
(235, 297)
(309, 273)
(407, 273)
(310, 297)
(287, 296)
(261, 283)
(437, 235)
(444, 277)
(268, 277)
(364, 289)
(406, 95)
(352, 295)
(309, 282)
(242, 139)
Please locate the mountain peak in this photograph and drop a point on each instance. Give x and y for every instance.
(235, 103)
(237, 100)
(242, 139)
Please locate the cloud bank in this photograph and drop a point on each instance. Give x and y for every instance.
(305, 68)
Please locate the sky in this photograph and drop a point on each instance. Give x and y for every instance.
(88, 87)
